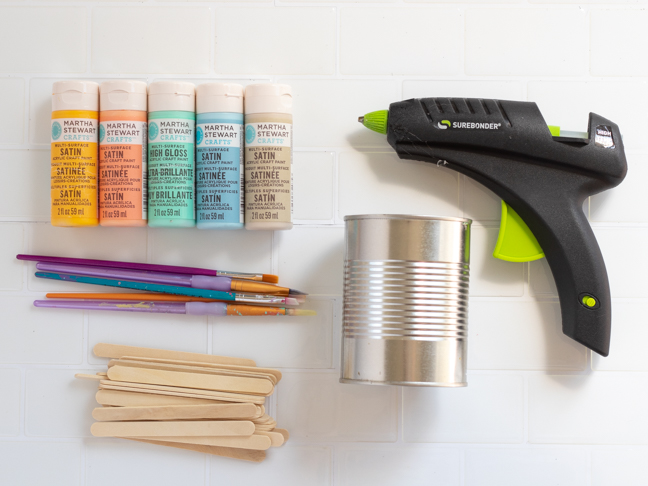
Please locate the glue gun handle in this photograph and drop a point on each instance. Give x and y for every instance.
(578, 269)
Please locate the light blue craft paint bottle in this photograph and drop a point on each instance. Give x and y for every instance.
(171, 154)
(219, 156)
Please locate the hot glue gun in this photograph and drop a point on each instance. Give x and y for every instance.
(543, 177)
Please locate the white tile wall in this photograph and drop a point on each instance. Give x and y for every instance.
(524, 41)
(151, 40)
(316, 407)
(297, 342)
(386, 466)
(588, 409)
(10, 402)
(488, 410)
(616, 34)
(12, 243)
(380, 182)
(27, 463)
(12, 117)
(538, 408)
(57, 404)
(532, 467)
(25, 203)
(621, 466)
(374, 43)
(271, 40)
(43, 39)
(139, 463)
(27, 333)
(295, 465)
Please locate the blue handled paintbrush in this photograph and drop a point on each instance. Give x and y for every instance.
(171, 289)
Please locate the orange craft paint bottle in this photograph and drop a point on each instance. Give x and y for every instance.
(122, 153)
(73, 188)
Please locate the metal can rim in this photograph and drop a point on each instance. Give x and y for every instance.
(355, 217)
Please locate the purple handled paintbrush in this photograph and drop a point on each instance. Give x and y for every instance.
(150, 267)
(223, 284)
(190, 308)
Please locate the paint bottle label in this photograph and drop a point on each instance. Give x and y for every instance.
(219, 164)
(268, 168)
(171, 165)
(74, 136)
(122, 165)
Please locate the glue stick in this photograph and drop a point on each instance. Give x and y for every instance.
(75, 120)
(268, 157)
(219, 156)
(171, 151)
(122, 153)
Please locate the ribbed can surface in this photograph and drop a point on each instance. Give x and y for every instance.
(405, 300)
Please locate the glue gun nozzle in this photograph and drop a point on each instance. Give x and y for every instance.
(376, 121)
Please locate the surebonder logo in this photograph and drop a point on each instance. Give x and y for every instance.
(445, 124)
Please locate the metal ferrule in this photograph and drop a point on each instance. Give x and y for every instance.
(247, 276)
(260, 299)
(405, 300)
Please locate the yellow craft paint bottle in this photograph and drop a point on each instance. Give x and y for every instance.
(75, 129)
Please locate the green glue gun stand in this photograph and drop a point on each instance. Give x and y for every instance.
(543, 177)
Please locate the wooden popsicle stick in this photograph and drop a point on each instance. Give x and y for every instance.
(156, 391)
(252, 369)
(225, 396)
(104, 350)
(276, 439)
(243, 454)
(176, 412)
(216, 428)
(116, 398)
(102, 373)
(283, 432)
(256, 442)
(85, 376)
(252, 386)
(191, 369)
(263, 428)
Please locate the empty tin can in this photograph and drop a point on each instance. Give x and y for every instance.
(405, 300)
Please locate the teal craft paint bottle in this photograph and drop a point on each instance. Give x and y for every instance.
(171, 155)
(219, 156)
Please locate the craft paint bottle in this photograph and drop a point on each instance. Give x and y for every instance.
(268, 157)
(75, 123)
(219, 156)
(171, 154)
(122, 153)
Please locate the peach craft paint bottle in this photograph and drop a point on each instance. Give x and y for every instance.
(268, 157)
(122, 153)
(74, 136)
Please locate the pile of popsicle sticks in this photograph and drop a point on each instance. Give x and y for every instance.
(200, 402)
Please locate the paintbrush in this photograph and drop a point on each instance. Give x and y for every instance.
(224, 284)
(151, 267)
(138, 296)
(189, 308)
(172, 289)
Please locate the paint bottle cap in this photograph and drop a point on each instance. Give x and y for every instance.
(219, 98)
(171, 96)
(120, 94)
(268, 98)
(75, 95)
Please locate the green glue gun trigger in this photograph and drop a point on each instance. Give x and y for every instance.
(542, 175)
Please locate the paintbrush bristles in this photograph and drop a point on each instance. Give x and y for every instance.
(270, 278)
(300, 312)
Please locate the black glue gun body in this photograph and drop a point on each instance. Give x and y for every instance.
(508, 147)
